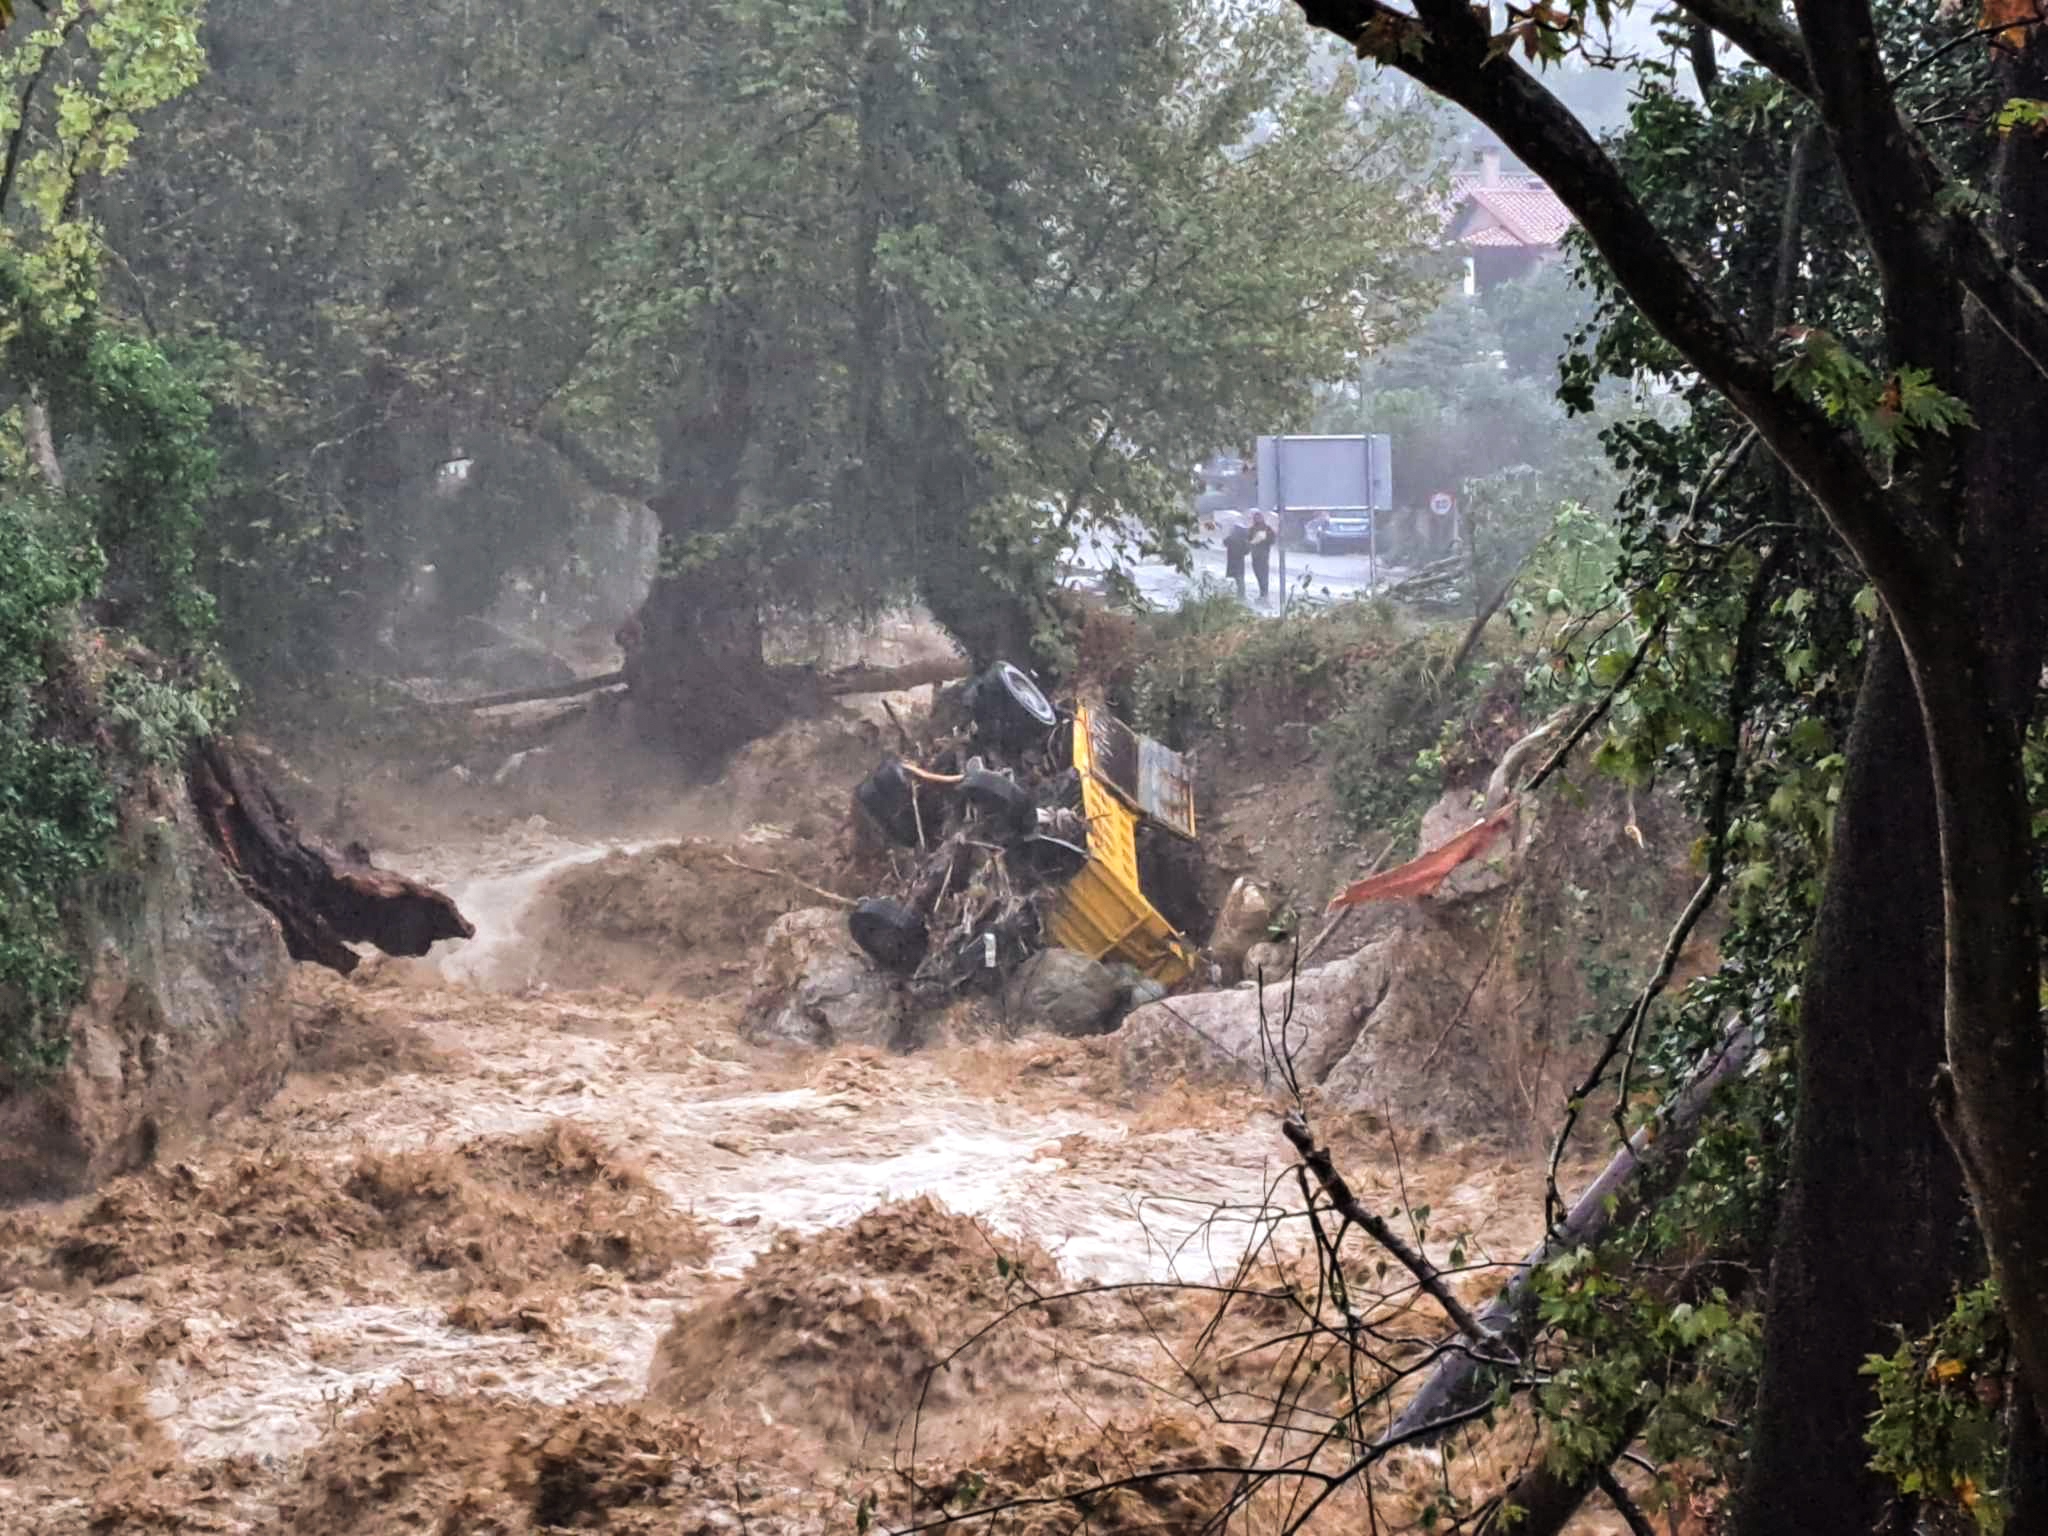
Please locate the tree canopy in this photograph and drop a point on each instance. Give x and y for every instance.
(945, 298)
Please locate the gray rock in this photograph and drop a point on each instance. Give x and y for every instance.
(1145, 990)
(1246, 915)
(1066, 993)
(1455, 813)
(184, 1015)
(1269, 961)
(1220, 1036)
(815, 988)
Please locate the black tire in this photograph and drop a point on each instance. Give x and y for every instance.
(885, 796)
(1053, 860)
(893, 935)
(1001, 801)
(1010, 710)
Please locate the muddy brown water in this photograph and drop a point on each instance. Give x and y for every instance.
(1030, 1138)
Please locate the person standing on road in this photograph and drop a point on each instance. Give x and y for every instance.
(1235, 543)
(1260, 547)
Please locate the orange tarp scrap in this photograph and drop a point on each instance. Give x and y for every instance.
(1418, 877)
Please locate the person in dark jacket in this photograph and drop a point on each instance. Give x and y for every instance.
(1260, 547)
(1235, 543)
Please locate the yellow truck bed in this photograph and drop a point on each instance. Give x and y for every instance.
(1102, 912)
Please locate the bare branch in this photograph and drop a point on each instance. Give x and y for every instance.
(1598, 1205)
(1352, 1209)
(1760, 31)
(803, 885)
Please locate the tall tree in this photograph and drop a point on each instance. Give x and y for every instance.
(1003, 291)
(935, 304)
(1933, 520)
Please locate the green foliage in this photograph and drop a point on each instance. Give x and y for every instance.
(56, 803)
(127, 433)
(978, 290)
(1209, 665)
(83, 104)
(1383, 742)
(2022, 112)
(1888, 412)
(1939, 1431)
(1377, 693)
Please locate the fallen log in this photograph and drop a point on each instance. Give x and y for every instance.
(522, 735)
(569, 690)
(835, 685)
(323, 900)
(1460, 1381)
(894, 679)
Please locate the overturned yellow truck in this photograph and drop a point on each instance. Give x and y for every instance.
(1103, 911)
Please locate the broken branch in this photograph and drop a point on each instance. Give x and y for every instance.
(1352, 1209)
(782, 874)
(323, 901)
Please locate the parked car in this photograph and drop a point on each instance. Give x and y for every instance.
(1329, 533)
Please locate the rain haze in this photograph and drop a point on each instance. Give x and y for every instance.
(1122, 766)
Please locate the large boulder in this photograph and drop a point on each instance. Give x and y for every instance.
(184, 1013)
(1254, 1035)
(1247, 914)
(815, 987)
(1066, 992)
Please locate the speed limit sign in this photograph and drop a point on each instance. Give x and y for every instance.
(1440, 503)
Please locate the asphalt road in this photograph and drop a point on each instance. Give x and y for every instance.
(1320, 578)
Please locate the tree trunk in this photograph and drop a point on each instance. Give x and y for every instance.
(700, 683)
(1999, 1093)
(1869, 1041)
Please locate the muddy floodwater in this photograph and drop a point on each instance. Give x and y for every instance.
(489, 1200)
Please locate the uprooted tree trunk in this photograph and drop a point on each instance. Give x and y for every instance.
(323, 900)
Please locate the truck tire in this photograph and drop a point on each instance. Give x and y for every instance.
(1010, 710)
(1002, 801)
(885, 796)
(893, 936)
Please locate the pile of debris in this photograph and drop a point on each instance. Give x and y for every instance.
(1012, 840)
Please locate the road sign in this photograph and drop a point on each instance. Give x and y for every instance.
(1440, 503)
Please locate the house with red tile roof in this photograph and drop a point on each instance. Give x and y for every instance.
(1509, 223)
